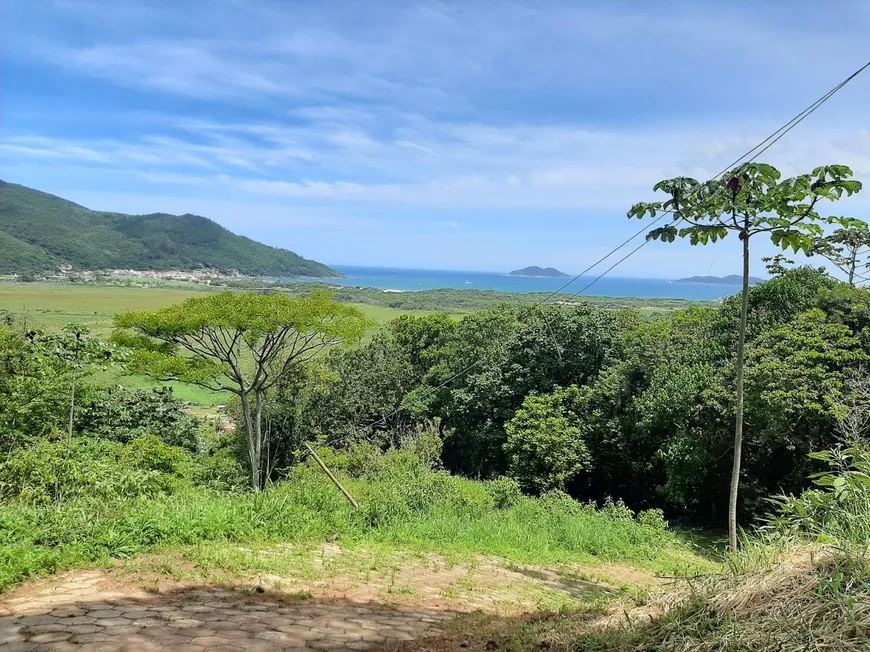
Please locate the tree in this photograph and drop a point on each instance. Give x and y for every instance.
(749, 200)
(38, 379)
(847, 247)
(498, 357)
(74, 347)
(545, 447)
(776, 265)
(242, 343)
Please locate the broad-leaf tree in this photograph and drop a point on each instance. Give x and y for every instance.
(750, 200)
(848, 247)
(243, 343)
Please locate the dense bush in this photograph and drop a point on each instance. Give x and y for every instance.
(92, 468)
(837, 509)
(122, 415)
(544, 443)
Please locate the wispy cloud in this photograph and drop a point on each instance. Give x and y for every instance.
(398, 114)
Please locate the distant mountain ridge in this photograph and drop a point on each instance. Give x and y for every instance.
(539, 272)
(731, 279)
(40, 232)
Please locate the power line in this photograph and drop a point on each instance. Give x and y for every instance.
(762, 147)
(756, 151)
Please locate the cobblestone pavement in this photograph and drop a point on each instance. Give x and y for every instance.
(75, 616)
(94, 610)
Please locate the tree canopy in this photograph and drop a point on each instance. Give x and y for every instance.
(242, 343)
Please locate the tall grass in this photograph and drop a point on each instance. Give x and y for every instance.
(801, 583)
(414, 507)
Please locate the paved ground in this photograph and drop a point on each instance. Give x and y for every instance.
(100, 610)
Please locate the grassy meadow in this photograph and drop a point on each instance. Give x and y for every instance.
(51, 306)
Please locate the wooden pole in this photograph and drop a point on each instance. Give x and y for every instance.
(331, 477)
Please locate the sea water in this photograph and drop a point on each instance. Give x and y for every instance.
(409, 280)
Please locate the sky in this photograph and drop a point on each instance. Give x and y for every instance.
(475, 135)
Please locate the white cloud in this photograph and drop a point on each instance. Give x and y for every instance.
(429, 114)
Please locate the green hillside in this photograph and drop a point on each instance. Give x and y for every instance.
(39, 231)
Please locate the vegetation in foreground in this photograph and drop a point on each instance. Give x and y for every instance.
(801, 583)
(101, 499)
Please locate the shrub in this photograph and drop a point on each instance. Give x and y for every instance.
(92, 468)
(653, 518)
(220, 470)
(505, 492)
(544, 446)
(838, 510)
(122, 415)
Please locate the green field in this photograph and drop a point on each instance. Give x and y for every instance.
(51, 306)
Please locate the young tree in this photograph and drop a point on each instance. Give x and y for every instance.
(239, 343)
(749, 200)
(777, 265)
(38, 377)
(848, 248)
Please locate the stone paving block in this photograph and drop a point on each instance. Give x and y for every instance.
(42, 629)
(100, 647)
(112, 622)
(82, 629)
(49, 637)
(210, 641)
(90, 637)
(184, 623)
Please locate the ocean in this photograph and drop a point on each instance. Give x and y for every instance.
(408, 280)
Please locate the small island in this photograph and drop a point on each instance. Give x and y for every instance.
(731, 279)
(539, 272)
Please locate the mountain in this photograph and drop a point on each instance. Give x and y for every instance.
(539, 272)
(732, 279)
(39, 232)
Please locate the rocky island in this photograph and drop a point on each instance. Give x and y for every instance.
(539, 272)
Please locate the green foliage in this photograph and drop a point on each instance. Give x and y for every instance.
(838, 509)
(505, 492)
(847, 247)
(242, 343)
(750, 199)
(42, 231)
(402, 503)
(497, 358)
(208, 340)
(123, 415)
(49, 471)
(544, 448)
(37, 373)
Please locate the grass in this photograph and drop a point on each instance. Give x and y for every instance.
(429, 512)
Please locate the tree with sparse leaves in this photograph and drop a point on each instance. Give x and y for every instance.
(777, 265)
(242, 343)
(750, 200)
(848, 247)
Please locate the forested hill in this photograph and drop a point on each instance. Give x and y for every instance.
(39, 231)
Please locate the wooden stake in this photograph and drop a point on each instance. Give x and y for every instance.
(331, 477)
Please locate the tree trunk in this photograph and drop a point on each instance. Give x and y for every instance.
(852, 266)
(72, 411)
(258, 434)
(253, 457)
(738, 426)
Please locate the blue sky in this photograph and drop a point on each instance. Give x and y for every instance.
(461, 135)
